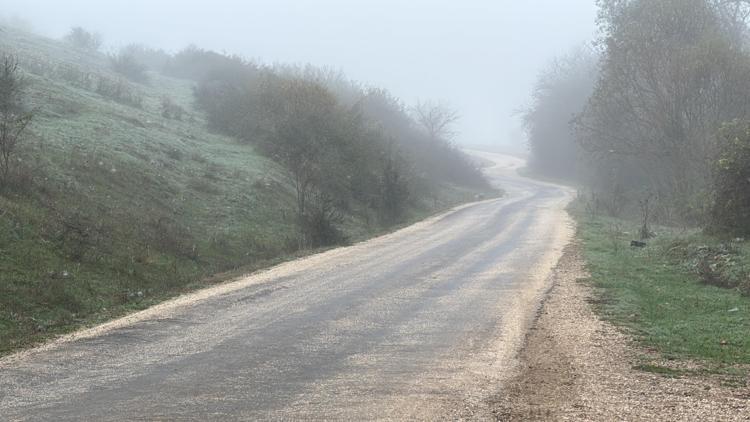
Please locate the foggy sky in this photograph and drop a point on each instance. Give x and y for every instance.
(479, 55)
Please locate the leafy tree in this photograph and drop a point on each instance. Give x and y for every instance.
(300, 115)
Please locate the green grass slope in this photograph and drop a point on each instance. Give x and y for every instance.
(116, 207)
(658, 295)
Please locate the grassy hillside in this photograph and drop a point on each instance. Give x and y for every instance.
(115, 207)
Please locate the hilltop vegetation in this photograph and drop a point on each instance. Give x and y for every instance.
(127, 188)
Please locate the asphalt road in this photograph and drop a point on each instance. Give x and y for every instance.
(423, 324)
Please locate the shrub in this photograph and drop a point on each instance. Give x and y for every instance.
(83, 39)
(200, 65)
(321, 221)
(126, 64)
(730, 212)
(394, 189)
(119, 91)
(80, 236)
(170, 110)
(722, 266)
(168, 236)
(75, 76)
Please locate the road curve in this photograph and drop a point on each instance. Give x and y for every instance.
(423, 323)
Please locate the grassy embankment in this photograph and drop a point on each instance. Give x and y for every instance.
(667, 295)
(117, 207)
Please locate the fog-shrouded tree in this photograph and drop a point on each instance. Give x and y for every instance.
(672, 72)
(394, 183)
(300, 117)
(84, 39)
(561, 92)
(436, 119)
(14, 118)
(348, 148)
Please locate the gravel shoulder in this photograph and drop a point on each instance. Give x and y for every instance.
(575, 366)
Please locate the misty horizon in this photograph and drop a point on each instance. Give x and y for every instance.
(480, 57)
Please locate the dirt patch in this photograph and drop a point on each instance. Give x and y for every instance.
(577, 367)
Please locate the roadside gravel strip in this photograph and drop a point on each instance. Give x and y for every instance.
(578, 367)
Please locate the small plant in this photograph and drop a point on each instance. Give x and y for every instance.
(645, 205)
(614, 234)
(592, 205)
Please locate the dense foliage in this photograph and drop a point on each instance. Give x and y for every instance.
(731, 208)
(670, 74)
(344, 145)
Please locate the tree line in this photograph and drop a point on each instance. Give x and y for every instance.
(344, 144)
(655, 112)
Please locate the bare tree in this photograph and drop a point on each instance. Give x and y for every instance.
(436, 119)
(13, 118)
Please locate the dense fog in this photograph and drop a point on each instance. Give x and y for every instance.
(480, 56)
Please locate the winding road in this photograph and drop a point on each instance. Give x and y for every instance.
(423, 323)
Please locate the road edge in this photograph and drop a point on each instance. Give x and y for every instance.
(231, 284)
(576, 366)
